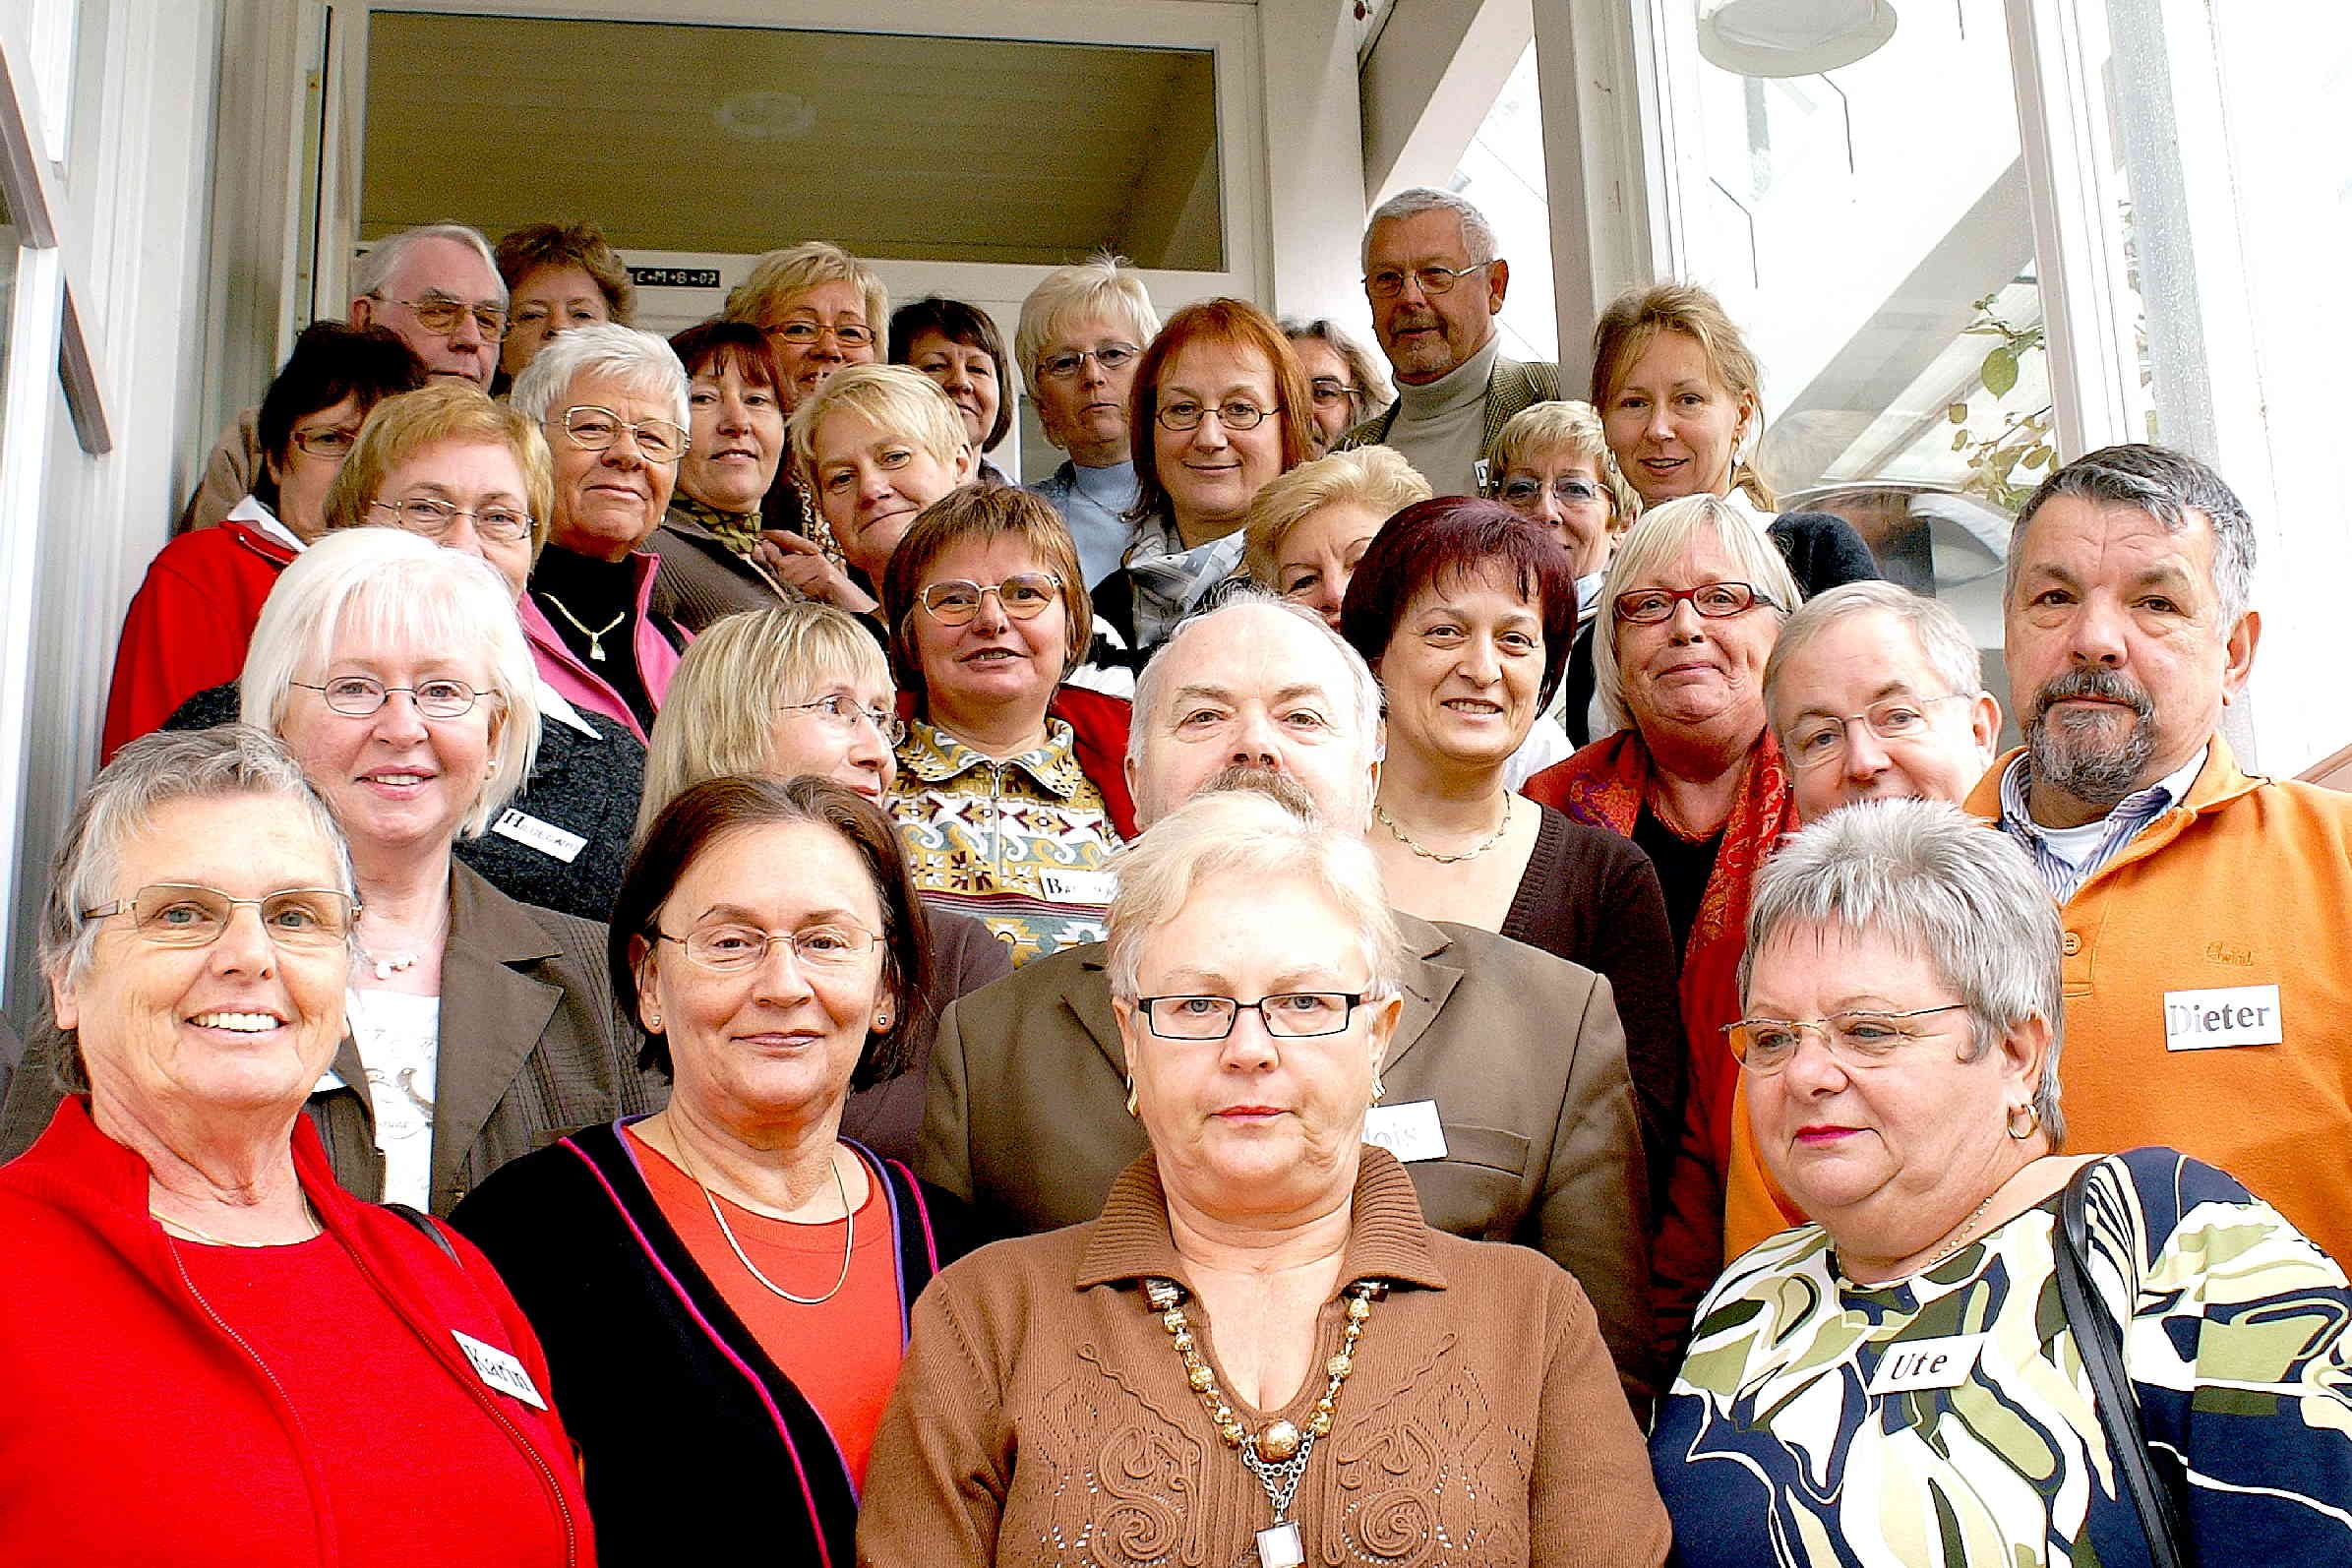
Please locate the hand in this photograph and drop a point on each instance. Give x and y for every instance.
(797, 560)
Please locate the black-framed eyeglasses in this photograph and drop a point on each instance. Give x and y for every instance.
(1864, 1040)
(1286, 1015)
(1714, 600)
(1025, 595)
(1523, 494)
(432, 518)
(332, 442)
(1185, 414)
(1818, 739)
(358, 695)
(444, 316)
(1112, 357)
(732, 950)
(1388, 282)
(804, 335)
(593, 429)
(1328, 392)
(192, 915)
(844, 714)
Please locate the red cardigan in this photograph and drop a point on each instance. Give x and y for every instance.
(137, 1427)
(188, 626)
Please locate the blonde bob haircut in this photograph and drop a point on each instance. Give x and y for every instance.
(1377, 478)
(1248, 835)
(1662, 539)
(1575, 426)
(398, 590)
(894, 398)
(780, 276)
(1639, 315)
(400, 426)
(721, 708)
(1104, 284)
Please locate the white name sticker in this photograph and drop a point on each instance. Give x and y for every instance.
(1079, 887)
(1927, 1364)
(2229, 1015)
(500, 1370)
(545, 837)
(1410, 1131)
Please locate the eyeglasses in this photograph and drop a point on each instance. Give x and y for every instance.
(1819, 740)
(803, 334)
(1389, 281)
(1112, 357)
(1329, 393)
(358, 695)
(333, 441)
(1714, 600)
(1765, 1046)
(1290, 1016)
(593, 429)
(432, 518)
(192, 915)
(445, 316)
(1024, 596)
(732, 950)
(843, 713)
(1185, 414)
(1522, 494)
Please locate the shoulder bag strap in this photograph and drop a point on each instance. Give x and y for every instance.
(424, 1223)
(2099, 1339)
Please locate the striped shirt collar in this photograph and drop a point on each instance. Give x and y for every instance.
(2130, 818)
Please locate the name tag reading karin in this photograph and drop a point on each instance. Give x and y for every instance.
(1927, 1364)
(2227, 1015)
(499, 1369)
(1410, 1131)
(545, 837)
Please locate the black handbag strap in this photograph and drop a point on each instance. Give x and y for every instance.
(424, 1222)
(2099, 1339)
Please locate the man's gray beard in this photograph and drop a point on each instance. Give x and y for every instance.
(2072, 759)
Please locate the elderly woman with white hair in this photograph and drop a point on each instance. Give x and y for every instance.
(1083, 331)
(1983, 1351)
(612, 402)
(204, 1335)
(1260, 1352)
(396, 672)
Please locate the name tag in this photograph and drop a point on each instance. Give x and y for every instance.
(1079, 887)
(1927, 1364)
(2228, 1015)
(499, 1369)
(1479, 474)
(545, 837)
(1410, 1131)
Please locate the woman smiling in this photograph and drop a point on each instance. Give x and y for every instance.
(709, 540)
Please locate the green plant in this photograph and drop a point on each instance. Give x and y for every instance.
(2022, 442)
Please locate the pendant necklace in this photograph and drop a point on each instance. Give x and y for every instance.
(596, 637)
(1276, 1455)
(849, 1242)
(1400, 835)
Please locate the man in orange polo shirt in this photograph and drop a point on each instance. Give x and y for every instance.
(2208, 994)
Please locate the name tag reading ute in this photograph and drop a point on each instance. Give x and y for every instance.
(1410, 1130)
(2226, 1015)
(1909, 1365)
(500, 1370)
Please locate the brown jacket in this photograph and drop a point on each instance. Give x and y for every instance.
(1025, 1109)
(1042, 1416)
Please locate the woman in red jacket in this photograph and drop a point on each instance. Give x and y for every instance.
(212, 1353)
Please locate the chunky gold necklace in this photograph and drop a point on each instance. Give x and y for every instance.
(1278, 1454)
(1400, 835)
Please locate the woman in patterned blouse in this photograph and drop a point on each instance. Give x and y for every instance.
(1898, 1383)
(1010, 792)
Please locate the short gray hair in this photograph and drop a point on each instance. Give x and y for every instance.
(1251, 834)
(1103, 283)
(412, 594)
(1933, 879)
(641, 361)
(384, 258)
(1660, 536)
(2167, 485)
(1364, 686)
(1478, 235)
(1950, 652)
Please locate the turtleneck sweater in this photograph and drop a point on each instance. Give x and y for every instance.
(1441, 425)
(580, 595)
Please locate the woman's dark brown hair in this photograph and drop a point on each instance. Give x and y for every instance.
(963, 324)
(581, 245)
(704, 817)
(974, 514)
(709, 347)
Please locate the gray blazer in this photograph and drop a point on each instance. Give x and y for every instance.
(1025, 1109)
(531, 1049)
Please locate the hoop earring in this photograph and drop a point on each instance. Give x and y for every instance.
(1132, 1110)
(2033, 1121)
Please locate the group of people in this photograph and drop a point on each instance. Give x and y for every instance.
(1021, 1026)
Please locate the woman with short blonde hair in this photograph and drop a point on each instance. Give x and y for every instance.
(1308, 528)
(456, 412)
(1082, 334)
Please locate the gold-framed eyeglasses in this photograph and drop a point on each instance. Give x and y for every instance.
(443, 316)
(845, 712)
(593, 429)
(192, 915)
(1286, 1015)
(1329, 393)
(1024, 596)
(1817, 740)
(434, 518)
(358, 695)
(804, 335)
(1859, 1040)
(732, 950)
(1112, 357)
(1387, 282)
(332, 442)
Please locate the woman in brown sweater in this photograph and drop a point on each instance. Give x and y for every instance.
(1260, 1353)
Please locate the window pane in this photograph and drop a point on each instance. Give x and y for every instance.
(10, 239)
(1502, 172)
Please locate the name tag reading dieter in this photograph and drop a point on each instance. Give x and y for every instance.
(2225, 1015)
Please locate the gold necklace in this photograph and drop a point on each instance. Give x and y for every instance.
(849, 1242)
(197, 1234)
(1402, 838)
(596, 639)
(1277, 1455)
